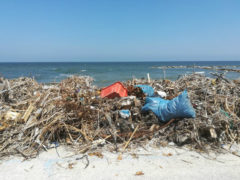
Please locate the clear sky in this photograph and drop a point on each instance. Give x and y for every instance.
(119, 30)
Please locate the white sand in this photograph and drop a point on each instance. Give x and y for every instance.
(154, 163)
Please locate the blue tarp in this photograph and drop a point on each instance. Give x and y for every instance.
(165, 110)
(148, 90)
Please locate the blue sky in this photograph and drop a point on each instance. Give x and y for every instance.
(119, 30)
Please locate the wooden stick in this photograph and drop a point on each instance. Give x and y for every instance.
(27, 113)
(120, 155)
(130, 138)
(148, 76)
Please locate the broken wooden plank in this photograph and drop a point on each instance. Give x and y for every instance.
(27, 113)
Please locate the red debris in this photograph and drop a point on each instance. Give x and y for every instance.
(116, 89)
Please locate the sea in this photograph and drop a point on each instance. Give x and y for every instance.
(105, 73)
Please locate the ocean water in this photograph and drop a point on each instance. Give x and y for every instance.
(106, 73)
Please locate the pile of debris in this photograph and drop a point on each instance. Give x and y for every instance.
(217, 106)
(36, 117)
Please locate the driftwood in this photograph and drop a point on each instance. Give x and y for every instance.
(221, 76)
(72, 113)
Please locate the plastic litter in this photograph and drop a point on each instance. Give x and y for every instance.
(126, 102)
(125, 113)
(179, 107)
(73, 113)
(148, 90)
(161, 94)
(114, 90)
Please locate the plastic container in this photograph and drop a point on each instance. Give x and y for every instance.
(114, 90)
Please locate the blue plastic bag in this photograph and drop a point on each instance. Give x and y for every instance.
(148, 90)
(154, 100)
(165, 110)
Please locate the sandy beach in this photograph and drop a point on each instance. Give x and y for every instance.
(141, 163)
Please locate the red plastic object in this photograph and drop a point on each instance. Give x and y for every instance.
(114, 90)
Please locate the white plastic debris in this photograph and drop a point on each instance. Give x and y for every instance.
(126, 102)
(161, 94)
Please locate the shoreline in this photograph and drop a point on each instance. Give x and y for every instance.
(111, 72)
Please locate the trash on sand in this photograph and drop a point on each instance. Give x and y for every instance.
(71, 165)
(72, 113)
(139, 173)
(167, 154)
(98, 154)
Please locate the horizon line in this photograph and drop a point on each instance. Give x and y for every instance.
(116, 61)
